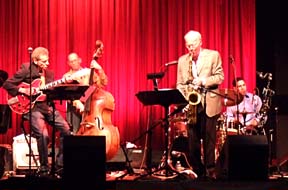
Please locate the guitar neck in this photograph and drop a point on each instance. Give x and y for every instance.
(52, 84)
(79, 73)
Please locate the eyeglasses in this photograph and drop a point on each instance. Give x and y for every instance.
(43, 61)
(193, 45)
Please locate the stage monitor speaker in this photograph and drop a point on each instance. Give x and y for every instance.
(243, 157)
(84, 160)
(135, 157)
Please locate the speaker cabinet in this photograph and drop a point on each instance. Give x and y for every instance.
(84, 160)
(21, 157)
(243, 158)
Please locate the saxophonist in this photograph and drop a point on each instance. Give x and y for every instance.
(202, 69)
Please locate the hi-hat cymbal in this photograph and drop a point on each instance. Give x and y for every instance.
(3, 77)
(230, 97)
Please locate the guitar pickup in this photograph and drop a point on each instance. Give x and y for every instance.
(13, 100)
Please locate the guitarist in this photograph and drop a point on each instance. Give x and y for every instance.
(41, 111)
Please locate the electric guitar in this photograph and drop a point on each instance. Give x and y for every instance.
(20, 104)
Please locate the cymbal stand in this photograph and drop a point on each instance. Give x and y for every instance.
(166, 166)
(204, 136)
(231, 60)
(164, 98)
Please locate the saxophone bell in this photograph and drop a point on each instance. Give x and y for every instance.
(193, 97)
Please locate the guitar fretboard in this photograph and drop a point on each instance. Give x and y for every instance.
(52, 84)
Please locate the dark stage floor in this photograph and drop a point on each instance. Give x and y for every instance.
(137, 182)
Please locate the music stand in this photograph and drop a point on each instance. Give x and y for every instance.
(62, 92)
(165, 98)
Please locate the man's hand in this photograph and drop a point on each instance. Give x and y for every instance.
(199, 81)
(26, 91)
(78, 105)
(95, 65)
(68, 79)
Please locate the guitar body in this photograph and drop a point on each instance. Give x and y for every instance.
(21, 103)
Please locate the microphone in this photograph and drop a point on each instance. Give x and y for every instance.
(176, 153)
(30, 49)
(171, 63)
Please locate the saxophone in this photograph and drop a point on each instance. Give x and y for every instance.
(266, 103)
(192, 96)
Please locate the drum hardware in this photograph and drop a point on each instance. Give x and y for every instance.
(179, 152)
(165, 98)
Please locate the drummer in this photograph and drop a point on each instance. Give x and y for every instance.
(247, 109)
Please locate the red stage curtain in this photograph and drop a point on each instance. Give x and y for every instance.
(140, 36)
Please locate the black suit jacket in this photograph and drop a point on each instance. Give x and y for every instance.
(23, 75)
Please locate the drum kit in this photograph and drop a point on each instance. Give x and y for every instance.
(180, 133)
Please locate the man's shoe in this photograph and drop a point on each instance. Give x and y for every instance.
(43, 171)
(211, 173)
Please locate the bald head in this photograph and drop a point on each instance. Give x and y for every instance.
(74, 61)
(192, 35)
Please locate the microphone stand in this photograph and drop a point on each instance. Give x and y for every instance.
(237, 93)
(29, 142)
(30, 50)
(204, 90)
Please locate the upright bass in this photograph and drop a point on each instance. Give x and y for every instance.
(98, 121)
(96, 118)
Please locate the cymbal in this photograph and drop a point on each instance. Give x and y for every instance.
(230, 97)
(3, 77)
(247, 112)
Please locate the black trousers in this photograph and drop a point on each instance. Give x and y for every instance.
(202, 155)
